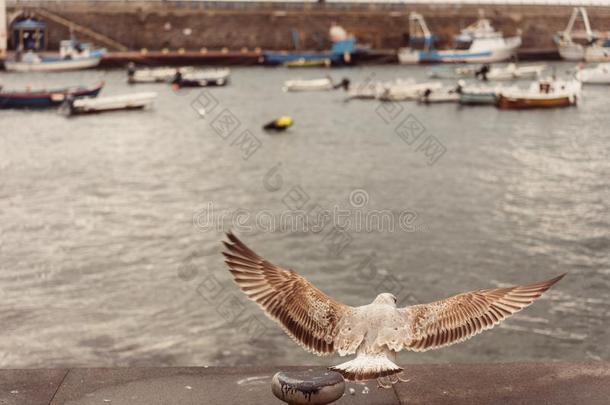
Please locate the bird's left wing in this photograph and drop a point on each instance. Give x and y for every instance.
(457, 318)
(306, 314)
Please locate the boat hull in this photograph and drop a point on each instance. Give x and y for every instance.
(597, 54)
(308, 85)
(410, 56)
(117, 103)
(521, 103)
(478, 98)
(308, 63)
(341, 53)
(572, 52)
(202, 82)
(44, 98)
(56, 65)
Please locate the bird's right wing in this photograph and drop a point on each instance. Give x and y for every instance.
(307, 315)
(457, 318)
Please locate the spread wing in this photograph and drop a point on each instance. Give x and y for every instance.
(305, 313)
(455, 319)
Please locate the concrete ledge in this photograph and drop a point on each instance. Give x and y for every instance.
(512, 383)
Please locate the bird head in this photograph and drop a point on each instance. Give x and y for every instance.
(386, 298)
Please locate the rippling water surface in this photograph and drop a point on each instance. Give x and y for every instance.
(106, 259)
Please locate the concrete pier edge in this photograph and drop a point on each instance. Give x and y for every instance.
(504, 383)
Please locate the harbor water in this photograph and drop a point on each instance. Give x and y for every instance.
(111, 224)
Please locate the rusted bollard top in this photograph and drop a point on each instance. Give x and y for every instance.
(308, 387)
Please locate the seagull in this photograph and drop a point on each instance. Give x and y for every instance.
(375, 332)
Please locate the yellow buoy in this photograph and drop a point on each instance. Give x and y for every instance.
(279, 124)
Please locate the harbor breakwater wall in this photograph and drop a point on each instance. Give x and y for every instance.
(281, 26)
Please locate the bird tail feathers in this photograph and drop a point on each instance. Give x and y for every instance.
(367, 367)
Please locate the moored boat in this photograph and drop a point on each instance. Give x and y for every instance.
(442, 95)
(341, 53)
(204, 78)
(45, 98)
(304, 63)
(73, 55)
(509, 72)
(154, 75)
(136, 101)
(481, 95)
(322, 84)
(448, 72)
(477, 43)
(541, 94)
(407, 90)
(587, 45)
(599, 74)
(366, 91)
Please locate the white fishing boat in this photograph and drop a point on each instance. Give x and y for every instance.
(599, 74)
(201, 78)
(510, 72)
(407, 90)
(154, 75)
(322, 84)
(477, 43)
(73, 55)
(544, 93)
(136, 101)
(587, 45)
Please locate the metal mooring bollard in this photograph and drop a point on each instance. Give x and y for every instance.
(308, 387)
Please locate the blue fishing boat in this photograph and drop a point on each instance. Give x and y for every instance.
(340, 53)
(45, 98)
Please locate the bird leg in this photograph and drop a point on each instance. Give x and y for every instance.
(382, 384)
(401, 377)
(393, 379)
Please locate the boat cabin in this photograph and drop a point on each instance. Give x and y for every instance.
(29, 34)
(74, 49)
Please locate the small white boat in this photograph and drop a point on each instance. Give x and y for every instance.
(544, 93)
(445, 72)
(73, 55)
(599, 74)
(407, 90)
(366, 91)
(322, 84)
(154, 75)
(442, 95)
(136, 101)
(510, 72)
(201, 78)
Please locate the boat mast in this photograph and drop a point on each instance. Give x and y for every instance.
(567, 33)
(585, 19)
(418, 27)
(3, 35)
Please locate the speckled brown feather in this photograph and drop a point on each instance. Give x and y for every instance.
(455, 319)
(306, 314)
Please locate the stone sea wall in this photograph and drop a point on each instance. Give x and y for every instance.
(274, 26)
